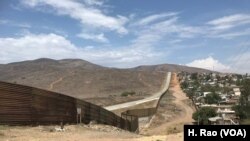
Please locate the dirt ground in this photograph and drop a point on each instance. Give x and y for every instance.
(175, 110)
(71, 133)
(166, 125)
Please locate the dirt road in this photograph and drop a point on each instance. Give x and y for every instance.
(185, 116)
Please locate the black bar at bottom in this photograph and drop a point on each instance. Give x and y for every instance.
(217, 132)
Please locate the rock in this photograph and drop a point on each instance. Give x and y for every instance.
(58, 129)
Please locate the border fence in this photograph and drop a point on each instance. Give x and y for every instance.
(145, 112)
(24, 105)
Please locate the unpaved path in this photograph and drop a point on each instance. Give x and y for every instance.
(51, 85)
(185, 116)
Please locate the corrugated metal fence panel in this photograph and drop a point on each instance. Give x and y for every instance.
(96, 113)
(23, 105)
(141, 112)
(15, 104)
(48, 107)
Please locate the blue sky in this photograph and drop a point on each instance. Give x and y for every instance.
(118, 33)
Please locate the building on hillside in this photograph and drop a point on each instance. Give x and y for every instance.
(222, 121)
(206, 93)
(226, 112)
(214, 120)
(221, 85)
(237, 91)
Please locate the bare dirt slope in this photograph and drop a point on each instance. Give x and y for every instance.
(84, 80)
(158, 130)
(179, 112)
(72, 133)
(155, 97)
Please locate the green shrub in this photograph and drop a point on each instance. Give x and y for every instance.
(203, 114)
(127, 93)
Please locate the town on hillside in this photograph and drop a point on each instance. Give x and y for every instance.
(219, 99)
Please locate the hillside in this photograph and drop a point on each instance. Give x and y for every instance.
(171, 68)
(84, 80)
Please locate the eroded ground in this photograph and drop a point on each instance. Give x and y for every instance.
(174, 111)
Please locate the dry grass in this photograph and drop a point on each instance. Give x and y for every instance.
(3, 127)
(1, 134)
(174, 129)
(172, 113)
(84, 80)
(245, 122)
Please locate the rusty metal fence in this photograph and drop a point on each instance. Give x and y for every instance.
(145, 112)
(91, 112)
(24, 105)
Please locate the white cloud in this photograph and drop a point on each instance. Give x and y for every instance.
(240, 60)
(231, 21)
(13, 23)
(231, 35)
(168, 29)
(155, 17)
(175, 28)
(209, 63)
(87, 15)
(94, 2)
(94, 37)
(33, 46)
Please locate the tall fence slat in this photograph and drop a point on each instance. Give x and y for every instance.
(24, 105)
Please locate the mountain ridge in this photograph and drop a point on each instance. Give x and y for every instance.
(85, 80)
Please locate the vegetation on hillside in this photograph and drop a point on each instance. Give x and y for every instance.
(243, 108)
(127, 93)
(212, 98)
(203, 114)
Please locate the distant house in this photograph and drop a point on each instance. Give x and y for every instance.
(214, 75)
(237, 91)
(227, 84)
(212, 83)
(223, 97)
(221, 121)
(234, 79)
(222, 75)
(216, 107)
(232, 85)
(226, 113)
(221, 85)
(214, 120)
(206, 93)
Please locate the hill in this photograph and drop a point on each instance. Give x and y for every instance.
(84, 80)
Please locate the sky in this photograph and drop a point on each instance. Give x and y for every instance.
(207, 34)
